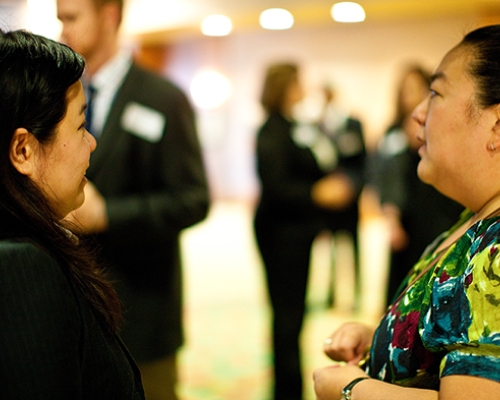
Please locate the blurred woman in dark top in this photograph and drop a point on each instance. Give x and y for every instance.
(301, 192)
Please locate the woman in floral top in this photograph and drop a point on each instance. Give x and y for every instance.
(441, 337)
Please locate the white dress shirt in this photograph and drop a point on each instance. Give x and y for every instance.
(106, 82)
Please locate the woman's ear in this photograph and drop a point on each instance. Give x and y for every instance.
(22, 151)
(496, 128)
(494, 144)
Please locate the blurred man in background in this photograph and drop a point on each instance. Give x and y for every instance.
(147, 184)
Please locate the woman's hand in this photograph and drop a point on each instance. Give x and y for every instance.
(329, 381)
(335, 192)
(398, 236)
(349, 343)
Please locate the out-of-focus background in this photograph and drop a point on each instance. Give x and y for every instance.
(227, 349)
(361, 59)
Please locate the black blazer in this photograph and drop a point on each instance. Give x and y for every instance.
(52, 346)
(153, 179)
(288, 170)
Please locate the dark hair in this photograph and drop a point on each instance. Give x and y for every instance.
(425, 76)
(484, 67)
(277, 80)
(35, 75)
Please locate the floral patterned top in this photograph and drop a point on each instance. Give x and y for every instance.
(448, 321)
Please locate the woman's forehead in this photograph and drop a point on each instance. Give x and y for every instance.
(452, 67)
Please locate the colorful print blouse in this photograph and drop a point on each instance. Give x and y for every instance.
(448, 321)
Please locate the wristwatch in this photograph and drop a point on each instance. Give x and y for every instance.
(347, 391)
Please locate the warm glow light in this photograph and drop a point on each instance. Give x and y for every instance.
(276, 19)
(210, 89)
(348, 12)
(41, 18)
(150, 15)
(216, 25)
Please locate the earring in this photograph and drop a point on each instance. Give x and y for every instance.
(492, 146)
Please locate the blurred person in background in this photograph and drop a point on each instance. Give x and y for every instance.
(415, 211)
(147, 183)
(300, 193)
(349, 157)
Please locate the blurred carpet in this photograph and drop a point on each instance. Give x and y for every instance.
(227, 350)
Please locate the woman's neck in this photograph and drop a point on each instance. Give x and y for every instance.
(487, 210)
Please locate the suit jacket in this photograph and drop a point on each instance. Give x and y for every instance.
(52, 346)
(148, 166)
(288, 169)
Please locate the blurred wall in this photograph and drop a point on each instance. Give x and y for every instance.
(362, 60)
(12, 14)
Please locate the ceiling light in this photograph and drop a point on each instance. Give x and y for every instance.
(210, 89)
(348, 12)
(216, 25)
(41, 18)
(276, 19)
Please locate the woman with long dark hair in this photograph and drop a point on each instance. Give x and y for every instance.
(59, 314)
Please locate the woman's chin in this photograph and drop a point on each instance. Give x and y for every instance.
(423, 172)
(78, 202)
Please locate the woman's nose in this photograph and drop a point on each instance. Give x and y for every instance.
(419, 114)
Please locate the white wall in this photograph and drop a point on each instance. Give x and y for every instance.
(363, 60)
(12, 15)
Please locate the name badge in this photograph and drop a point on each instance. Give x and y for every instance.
(143, 122)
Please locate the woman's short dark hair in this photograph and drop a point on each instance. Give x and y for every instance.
(277, 80)
(35, 75)
(425, 78)
(484, 65)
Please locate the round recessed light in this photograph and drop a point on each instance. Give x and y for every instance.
(348, 12)
(216, 25)
(276, 19)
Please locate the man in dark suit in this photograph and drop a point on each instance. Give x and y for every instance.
(148, 184)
